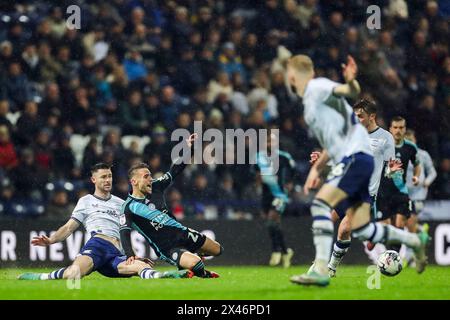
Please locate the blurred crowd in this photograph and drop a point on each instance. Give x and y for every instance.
(143, 68)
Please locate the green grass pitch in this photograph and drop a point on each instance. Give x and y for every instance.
(235, 283)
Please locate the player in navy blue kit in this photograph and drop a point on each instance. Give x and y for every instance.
(172, 242)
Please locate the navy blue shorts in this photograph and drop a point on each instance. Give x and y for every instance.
(342, 207)
(352, 175)
(106, 257)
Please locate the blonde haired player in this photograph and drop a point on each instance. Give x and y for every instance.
(346, 142)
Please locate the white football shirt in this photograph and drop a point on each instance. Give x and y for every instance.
(99, 215)
(383, 148)
(332, 121)
(427, 174)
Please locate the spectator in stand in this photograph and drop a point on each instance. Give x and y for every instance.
(8, 156)
(59, 205)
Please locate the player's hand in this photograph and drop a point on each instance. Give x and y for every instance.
(42, 241)
(191, 139)
(415, 180)
(312, 182)
(350, 69)
(395, 165)
(147, 261)
(314, 156)
(130, 260)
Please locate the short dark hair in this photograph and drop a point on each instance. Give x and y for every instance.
(99, 166)
(135, 167)
(398, 119)
(368, 106)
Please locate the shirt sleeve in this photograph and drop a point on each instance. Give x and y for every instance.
(389, 150)
(79, 213)
(125, 234)
(322, 89)
(430, 171)
(414, 158)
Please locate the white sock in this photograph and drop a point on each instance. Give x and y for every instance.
(323, 234)
(378, 232)
(148, 273)
(45, 276)
(396, 235)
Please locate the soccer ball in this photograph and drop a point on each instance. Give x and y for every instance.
(389, 263)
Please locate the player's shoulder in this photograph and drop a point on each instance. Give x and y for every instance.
(424, 153)
(86, 198)
(320, 82)
(410, 144)
(117, 200)
(381, 132)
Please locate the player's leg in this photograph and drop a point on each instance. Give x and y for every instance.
(327, 198)
(376, 232)
(192, 262)
(345, 179)
(383, 212)
(273, 226)
(182, 252)
(341, 246)
(280, 252)
(81, 266)
(210, 248)
(145, 271)
(404, 208)
(412, 225)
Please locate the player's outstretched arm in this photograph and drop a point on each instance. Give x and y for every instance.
(175, 169)
(351, 88)
(60, 235)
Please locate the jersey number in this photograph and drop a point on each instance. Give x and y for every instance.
(193, 236)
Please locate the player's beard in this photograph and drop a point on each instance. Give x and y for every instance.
(147, 190)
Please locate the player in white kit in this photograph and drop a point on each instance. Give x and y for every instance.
(383, 147)
(418, 193)
(99, 214)
(346, 142)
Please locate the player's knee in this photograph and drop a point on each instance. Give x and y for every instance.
(220, 250)
(187, 260)
(192, 263)
(320, 209)
(72, 272)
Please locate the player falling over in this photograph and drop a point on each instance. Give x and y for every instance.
(275, 198)
(382, 146)
(99, 214)
(346, 142)
(172, 242)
